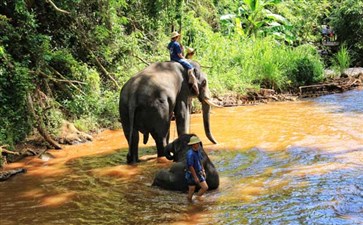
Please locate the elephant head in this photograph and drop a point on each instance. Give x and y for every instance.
(177, 149)
(204, 97)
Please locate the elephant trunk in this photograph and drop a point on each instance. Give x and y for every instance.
(206, 111)
(168, 150)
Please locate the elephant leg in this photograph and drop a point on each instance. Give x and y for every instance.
(182, 117)
(161, 135)
(160, 146)
(133, 154)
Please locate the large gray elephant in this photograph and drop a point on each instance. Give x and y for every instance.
(149, 99)
(174, 179)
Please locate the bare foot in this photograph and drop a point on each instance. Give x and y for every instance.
(199, 198)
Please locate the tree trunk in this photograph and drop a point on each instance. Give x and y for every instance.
(40, 126)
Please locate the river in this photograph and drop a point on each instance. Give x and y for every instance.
(279, 163)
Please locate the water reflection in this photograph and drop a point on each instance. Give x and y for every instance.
(347, 102)
(283, 163)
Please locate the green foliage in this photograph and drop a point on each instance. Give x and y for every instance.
(239, 64)
(255, 18)
(306, 17)
(14, 86)
(305, 66)
(347, 23)
(86, 123)
(341, 60)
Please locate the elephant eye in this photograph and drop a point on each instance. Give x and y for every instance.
(204, 83)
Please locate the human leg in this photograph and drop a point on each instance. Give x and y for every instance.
(191, 76)
(191, 189)
(203, 188)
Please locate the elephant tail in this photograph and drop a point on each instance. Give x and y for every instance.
(131, 121)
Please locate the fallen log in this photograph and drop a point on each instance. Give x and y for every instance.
(320, 89)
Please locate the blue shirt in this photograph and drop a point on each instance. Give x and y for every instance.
(194, 158)
(174, 49)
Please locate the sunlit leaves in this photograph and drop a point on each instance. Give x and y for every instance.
(254, 18)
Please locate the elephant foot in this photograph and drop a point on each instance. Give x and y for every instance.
(131, 160)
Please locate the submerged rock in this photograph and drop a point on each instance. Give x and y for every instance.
(4, 175)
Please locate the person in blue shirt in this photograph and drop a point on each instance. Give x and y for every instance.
(195, 174)
(177, 55)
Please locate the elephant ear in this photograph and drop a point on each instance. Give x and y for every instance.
(197, 72)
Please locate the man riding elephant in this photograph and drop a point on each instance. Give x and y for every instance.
(176, 55)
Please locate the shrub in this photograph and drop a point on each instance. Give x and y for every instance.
(304, 66)
(347, 23)
(341, 60)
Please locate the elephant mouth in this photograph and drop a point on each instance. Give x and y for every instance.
(170, 152)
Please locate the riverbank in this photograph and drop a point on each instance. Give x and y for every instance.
(350, 79)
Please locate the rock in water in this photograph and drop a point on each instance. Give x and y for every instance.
(4, 175)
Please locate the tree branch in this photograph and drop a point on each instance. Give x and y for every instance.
(56, 8)
(3, 149)
(97, 61)
(101, 66)
(64, 80)
(143, 60)
(40, 125)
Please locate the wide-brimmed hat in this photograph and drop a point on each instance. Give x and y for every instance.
(190, 50)
(193, 140)
(174, 34)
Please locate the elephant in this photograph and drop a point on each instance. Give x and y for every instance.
(174, 179)
(149, 99)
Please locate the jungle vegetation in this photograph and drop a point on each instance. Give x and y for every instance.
(68, 59)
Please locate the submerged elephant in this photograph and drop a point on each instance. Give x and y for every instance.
(149, 99)
(174, 179)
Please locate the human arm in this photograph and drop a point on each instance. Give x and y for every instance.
(181, 55)
(179, 50)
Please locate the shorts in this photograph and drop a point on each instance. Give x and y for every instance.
(190, 179)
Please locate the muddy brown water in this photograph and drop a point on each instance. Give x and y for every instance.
(280, 163)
